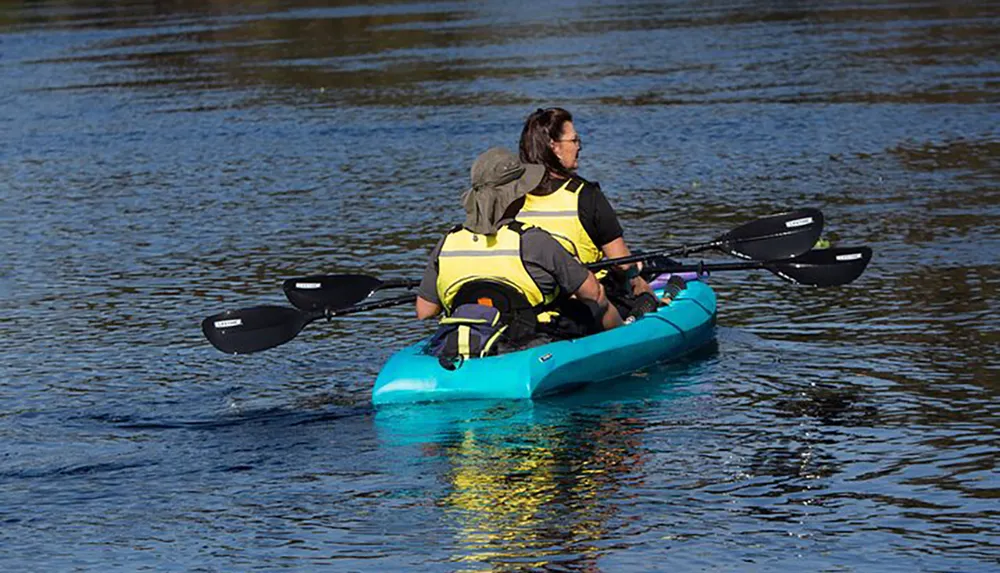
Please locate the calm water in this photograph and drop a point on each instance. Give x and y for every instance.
(163, 161)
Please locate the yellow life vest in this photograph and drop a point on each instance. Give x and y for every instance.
(466, 257)
(559, 214)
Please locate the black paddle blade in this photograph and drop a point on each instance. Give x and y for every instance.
(254, 329)
(824, 267)
(781, 236)
(329, 291)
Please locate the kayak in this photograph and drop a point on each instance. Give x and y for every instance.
(672, 331)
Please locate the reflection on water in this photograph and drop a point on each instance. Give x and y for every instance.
(528, 484)
(163, 161)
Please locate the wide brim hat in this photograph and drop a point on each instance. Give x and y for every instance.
(498, 180)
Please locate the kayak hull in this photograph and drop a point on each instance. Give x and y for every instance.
(685, 325)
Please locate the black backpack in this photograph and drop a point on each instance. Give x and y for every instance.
(486, 312)
(472, 331)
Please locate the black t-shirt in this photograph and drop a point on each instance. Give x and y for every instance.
(596, 214)
(546, 261)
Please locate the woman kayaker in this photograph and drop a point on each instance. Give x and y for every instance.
(575, 211)
(491, 249)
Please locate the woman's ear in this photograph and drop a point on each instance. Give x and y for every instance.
(554, 148)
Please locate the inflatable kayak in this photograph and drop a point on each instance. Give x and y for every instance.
(672, 331)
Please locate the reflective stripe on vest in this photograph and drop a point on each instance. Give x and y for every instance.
(559, 214)
(466, 257)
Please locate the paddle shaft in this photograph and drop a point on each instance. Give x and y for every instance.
(702, 268)
(312, 315)
(399, 283)
(386, 303)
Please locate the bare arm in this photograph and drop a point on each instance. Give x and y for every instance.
(426, 308)
(617, 249)
(593, 290)
(428, 303)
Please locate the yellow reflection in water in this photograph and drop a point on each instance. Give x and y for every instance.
(518, 503)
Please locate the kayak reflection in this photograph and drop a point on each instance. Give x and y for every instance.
(526, 481)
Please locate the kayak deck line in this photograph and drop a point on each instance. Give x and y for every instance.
(657, 316)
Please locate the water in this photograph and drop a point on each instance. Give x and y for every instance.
(160, 162)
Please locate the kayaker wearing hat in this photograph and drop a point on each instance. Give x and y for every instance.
(574, 210)
(494, 251)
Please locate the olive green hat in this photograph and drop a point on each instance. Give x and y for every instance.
(498, 179)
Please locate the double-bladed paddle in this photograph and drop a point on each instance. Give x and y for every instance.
(261, 327)
(780, 236)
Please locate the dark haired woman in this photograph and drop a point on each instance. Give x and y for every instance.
(572, 209)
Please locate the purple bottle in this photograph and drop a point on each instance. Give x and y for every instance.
(661, 280)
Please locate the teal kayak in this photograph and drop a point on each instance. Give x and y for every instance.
(672, 331)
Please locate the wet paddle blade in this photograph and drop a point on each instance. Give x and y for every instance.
(781, 236)
(329, 291)
(825, 267)
(254, 329)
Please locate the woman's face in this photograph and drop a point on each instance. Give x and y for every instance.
(567, 147)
